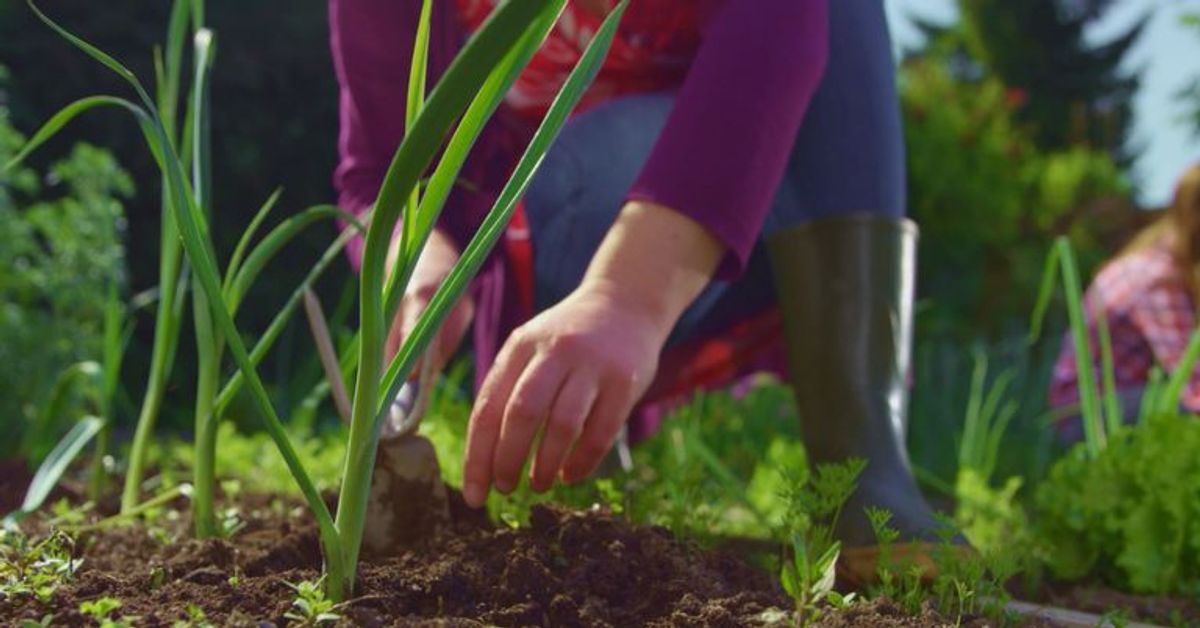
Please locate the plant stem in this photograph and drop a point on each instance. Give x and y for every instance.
(166, 334)
(1089, 398)
(182, 490)
(208, 341)
(98, 476)
(205, 446)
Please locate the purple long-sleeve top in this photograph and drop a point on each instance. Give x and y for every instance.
(718, 160)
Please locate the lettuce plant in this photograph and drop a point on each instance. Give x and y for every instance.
(1123, 505)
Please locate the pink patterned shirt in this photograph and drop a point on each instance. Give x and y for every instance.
(1150, 319)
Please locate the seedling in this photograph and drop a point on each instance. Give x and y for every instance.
(810, 563)
(195, 619)
(311, 607)
(37, 569)
(102, 609)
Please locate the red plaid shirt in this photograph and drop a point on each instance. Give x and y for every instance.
(1150, 319)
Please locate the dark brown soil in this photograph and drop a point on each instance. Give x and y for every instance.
(885, 614)
(568, 568)
(14, 479)
(565, 569)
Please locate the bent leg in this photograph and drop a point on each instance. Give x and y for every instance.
(849, 153)
(844, 263)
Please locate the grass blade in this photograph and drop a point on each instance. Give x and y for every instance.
(1114, 417)
(1044, 293)
(1152, 396)
(209, 343)
(205, 44)
(1172, 395)
(279, 323)
(87, 376)
(968, 456)
(90, 50)
(171, 73)
(64, 117)
(445, 176)
(239, 252)
(118, 328)
(417, 72)
(1089, 398)
(56, 464)
(266, 250)
(415, 101)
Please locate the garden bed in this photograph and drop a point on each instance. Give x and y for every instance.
(567, 568)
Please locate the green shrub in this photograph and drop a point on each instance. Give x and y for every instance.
(61, 243)
(990, 201)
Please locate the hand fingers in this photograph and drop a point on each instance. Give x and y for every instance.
(565, 424)
(487, 416)
(526, 412)
(603, 424)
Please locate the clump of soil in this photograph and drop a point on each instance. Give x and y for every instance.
(883, 613)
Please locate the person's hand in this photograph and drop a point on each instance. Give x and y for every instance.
(573, 373)
(434, 264)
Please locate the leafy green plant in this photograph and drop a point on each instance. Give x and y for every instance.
(54, 466)
(898, 578)
(1130, 515)
(959, 583)
(196, 618)
(990, 198)
(45, 622)
(61, 237)
(990, 517)
(311, 607)
(101, 611)
(35, 569)
(814, 505)
(1120, 505)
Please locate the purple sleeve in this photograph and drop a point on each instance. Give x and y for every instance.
(726, 144)
(371, 42)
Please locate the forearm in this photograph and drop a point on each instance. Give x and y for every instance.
(655, 260)
(723, 152)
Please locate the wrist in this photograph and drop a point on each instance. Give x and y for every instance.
(654, 260)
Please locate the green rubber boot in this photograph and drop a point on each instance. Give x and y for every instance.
(845, 289)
